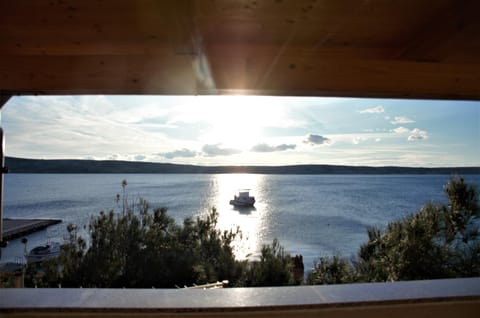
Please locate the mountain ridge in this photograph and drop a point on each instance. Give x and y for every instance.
(23, 165)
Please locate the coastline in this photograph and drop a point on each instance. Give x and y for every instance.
(22, 165)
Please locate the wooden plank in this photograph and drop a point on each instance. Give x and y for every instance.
(310, 76)
(136, 26)
(374, 78)
(14, 228)
(434, 39)
(336, 48)
(72, 25)
(98, 74)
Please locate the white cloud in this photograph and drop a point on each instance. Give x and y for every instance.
(73, 127)
(402, 120)
(267, 148)
(414, 134)
(417, 134)
(217, 150)
(361, 139)
(172, 128)
(182, 153)
(373, 110)
(401, 130)
(357, 140)
(313, 140)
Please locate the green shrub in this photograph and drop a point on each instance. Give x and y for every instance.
(331, 270)
(436, 242)
(144, 249)
(273, 269)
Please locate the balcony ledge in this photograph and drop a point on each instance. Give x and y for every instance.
(443, 297)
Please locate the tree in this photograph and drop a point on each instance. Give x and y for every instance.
(331, 270)
(273, 269)
(411, 248)
(436, 242)
(143, 248)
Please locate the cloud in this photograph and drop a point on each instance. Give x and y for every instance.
(183, 153)
(313, 140)
(418, 134)
(360, 139)
(401, 130)
(267, 148)
(402, 120)
(373, 110)
(140, 157)
(357, 140)
(414, 134)
(217, 150)
(284, 147)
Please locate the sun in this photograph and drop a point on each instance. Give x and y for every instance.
(235, 121)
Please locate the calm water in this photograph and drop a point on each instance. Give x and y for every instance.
(312, 215)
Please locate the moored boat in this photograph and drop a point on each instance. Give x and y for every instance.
(44, 252)
(243, 199)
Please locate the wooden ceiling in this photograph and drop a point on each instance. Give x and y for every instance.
(363, 48)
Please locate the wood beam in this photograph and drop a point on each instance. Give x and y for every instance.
(97, 75)
(434, 39)
(377, 48)
(177, 74)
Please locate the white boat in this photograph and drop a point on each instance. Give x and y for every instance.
(44, 252)
(243, 199)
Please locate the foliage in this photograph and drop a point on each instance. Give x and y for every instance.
(143, 249)
(273, 269)
(437, 242)
(331, 270)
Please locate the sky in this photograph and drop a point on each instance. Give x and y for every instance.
(244, 130)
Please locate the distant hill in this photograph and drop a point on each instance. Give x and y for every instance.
(20, 165)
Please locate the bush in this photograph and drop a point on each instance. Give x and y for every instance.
(143, 250)
(273, 269)
(147, 249)
(331, 270)
(436, 242)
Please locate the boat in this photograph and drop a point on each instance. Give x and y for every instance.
(243, 199)
(44, 252)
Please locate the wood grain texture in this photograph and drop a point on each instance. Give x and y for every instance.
(377, 48)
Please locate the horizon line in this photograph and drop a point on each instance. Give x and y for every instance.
(243, 166)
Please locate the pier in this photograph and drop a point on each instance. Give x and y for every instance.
(13, 228)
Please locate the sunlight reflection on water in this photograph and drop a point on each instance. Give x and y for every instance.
(252, 222)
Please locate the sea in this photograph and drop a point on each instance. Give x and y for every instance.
(310, 215)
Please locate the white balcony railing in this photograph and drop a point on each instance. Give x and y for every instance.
(432, 298)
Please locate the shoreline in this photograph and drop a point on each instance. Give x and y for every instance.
(39, 166)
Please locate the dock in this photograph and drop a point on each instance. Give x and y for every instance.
(14, 228)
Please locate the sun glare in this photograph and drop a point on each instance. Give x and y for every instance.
(236, 121)
(248, 220)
